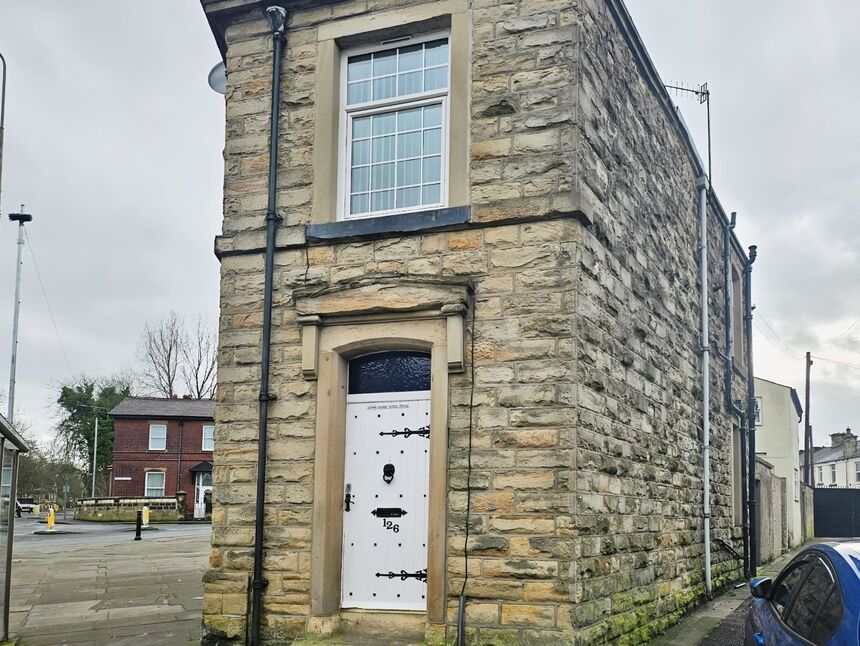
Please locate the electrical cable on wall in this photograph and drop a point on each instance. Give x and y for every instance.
(461, 614)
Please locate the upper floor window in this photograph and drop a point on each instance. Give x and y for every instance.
(758, 411)
(820, 476)
(833, 473)
(208, 438)
(157, 437)
(395, 120)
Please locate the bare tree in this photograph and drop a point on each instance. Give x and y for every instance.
(161, 353)
(199, 361)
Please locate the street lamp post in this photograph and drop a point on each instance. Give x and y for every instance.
(21, 218)
(2, 117)
(95, 453)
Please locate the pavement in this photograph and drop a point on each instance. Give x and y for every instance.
(719, 622)
(97, 585)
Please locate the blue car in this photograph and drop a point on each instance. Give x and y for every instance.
(814, 600)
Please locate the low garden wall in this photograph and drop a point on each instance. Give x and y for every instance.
(125, 508)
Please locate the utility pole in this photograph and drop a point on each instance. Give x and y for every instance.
(807, 430)
(20, 218)
(95, 454)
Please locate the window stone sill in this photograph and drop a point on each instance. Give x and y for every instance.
(362, 229)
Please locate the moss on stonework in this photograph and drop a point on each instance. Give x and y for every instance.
(645, 617)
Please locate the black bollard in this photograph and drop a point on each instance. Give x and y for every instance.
(138, 525)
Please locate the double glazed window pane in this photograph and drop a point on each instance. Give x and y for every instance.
(402, 71)
(396, 159)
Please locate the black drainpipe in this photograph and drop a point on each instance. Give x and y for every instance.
(277, 17)
(748, 308)
(731, 405)
(179, 458)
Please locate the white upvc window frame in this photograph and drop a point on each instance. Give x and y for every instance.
(348, 113)
(833, 473)
(146, 486)
(211, 446)
(154, 425)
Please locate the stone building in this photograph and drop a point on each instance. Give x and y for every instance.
(485, 349)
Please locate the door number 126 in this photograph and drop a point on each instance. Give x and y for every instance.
(390, 524)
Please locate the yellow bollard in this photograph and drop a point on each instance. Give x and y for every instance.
(51, 520)
(145, 516)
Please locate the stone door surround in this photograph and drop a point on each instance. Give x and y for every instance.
(343, 322)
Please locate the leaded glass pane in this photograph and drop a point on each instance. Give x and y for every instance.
(386, 372)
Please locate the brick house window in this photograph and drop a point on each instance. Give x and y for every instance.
(208, 438)
(157, 437)
(154, 483)
(395, 119)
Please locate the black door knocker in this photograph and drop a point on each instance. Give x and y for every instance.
(388, 473)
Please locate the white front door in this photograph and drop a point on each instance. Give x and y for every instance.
(385, 520)
(202, 486)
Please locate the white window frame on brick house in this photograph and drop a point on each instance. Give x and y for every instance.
(147, 487)
(208, 434)
(349, 113)
(163, 438)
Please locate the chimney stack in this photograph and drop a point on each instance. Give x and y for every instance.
(849, 445)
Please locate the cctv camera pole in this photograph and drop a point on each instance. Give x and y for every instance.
(20, 218)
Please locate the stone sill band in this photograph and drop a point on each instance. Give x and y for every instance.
(457, 218)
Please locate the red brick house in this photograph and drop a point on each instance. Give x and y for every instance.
(162, 446)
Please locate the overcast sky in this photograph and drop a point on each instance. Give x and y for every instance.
(114, 139)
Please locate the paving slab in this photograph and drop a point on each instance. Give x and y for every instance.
(99, 586)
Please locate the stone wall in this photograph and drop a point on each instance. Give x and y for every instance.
(586, 502)
(124, 509)
(771, 500)
(807, 513)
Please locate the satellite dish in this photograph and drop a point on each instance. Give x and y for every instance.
(218, 78)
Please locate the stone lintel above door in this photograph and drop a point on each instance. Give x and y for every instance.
(379, 300)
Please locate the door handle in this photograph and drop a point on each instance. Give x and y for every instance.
(347, 499)
(759, 639)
